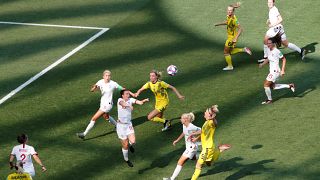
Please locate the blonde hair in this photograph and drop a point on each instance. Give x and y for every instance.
(213, 109)
(106, 71)
(235, 5)
(189, 116)
(157, 73)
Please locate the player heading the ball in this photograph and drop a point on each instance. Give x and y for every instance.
(125, 129)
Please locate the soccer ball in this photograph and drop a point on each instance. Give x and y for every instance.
(172, 70)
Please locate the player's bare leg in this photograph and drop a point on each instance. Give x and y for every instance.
(96, 116)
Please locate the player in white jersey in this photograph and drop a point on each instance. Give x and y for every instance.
(273, 57)
(23, 154)
(125, 129)
(191, 147)
(276, 30)
(107, 87)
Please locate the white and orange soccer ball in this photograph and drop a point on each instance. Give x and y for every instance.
(172, 70)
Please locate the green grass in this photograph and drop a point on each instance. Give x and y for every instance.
(279, 141)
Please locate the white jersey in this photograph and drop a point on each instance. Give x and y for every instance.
(24, 153)
(107, 90)
(274, 56)
(124, 114)
(187, 131)
(273, 15)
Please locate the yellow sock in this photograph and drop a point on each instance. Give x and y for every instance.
(216, 155)
(228, 60)
(157, 119)
(236, 50)
(196, 174)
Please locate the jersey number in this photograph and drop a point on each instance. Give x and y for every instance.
(23, 157)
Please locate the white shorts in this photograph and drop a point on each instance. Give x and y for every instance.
(190, 151)
(272, 32)
(124, 130)
(273, 76)
(105, 107)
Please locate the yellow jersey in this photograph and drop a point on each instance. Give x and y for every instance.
(207, 134)
(15, 176)
(232, 25)
(159, 90)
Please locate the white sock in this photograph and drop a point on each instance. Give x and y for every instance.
(268, 92)
(112, 121)
(281, 86)
(176, 172)
(125, 154)
(265, 50)
(90, 126)
(294, 47)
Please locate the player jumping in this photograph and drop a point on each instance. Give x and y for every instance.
(125, 129)
(233, 30)
(159, 89)
(273, 56)
(276, 30)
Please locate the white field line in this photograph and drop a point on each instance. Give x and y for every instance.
(35, 77)
(50, 25)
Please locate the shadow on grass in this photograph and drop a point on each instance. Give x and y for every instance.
(162, 161)
(244, 169)
(310, 48)
(98, 136)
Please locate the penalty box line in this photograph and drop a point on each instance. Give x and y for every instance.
(57, 62)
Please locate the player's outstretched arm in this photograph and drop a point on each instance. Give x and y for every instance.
(142, 101)
(220, 24)
(138, 92)
(178, 139)
(37, 159)
(177, 92)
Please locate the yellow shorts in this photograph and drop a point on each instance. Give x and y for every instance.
(161, 105)
(229, 42)
(208, 155)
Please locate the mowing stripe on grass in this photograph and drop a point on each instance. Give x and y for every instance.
(35, 77)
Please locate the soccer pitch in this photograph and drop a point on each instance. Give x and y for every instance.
(279, 141)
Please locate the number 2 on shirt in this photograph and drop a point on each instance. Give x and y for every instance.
(23, 157)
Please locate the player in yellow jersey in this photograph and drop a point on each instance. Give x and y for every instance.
(19, 174)
(209, 152)
(159, 89)
(233, 30)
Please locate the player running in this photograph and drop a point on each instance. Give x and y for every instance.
(23, 154)
(191, 147)
(276, 30)
(233, 30)
(273, 56)
(107, 87)
(209, 152)
(159, 88)
(125, 129)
